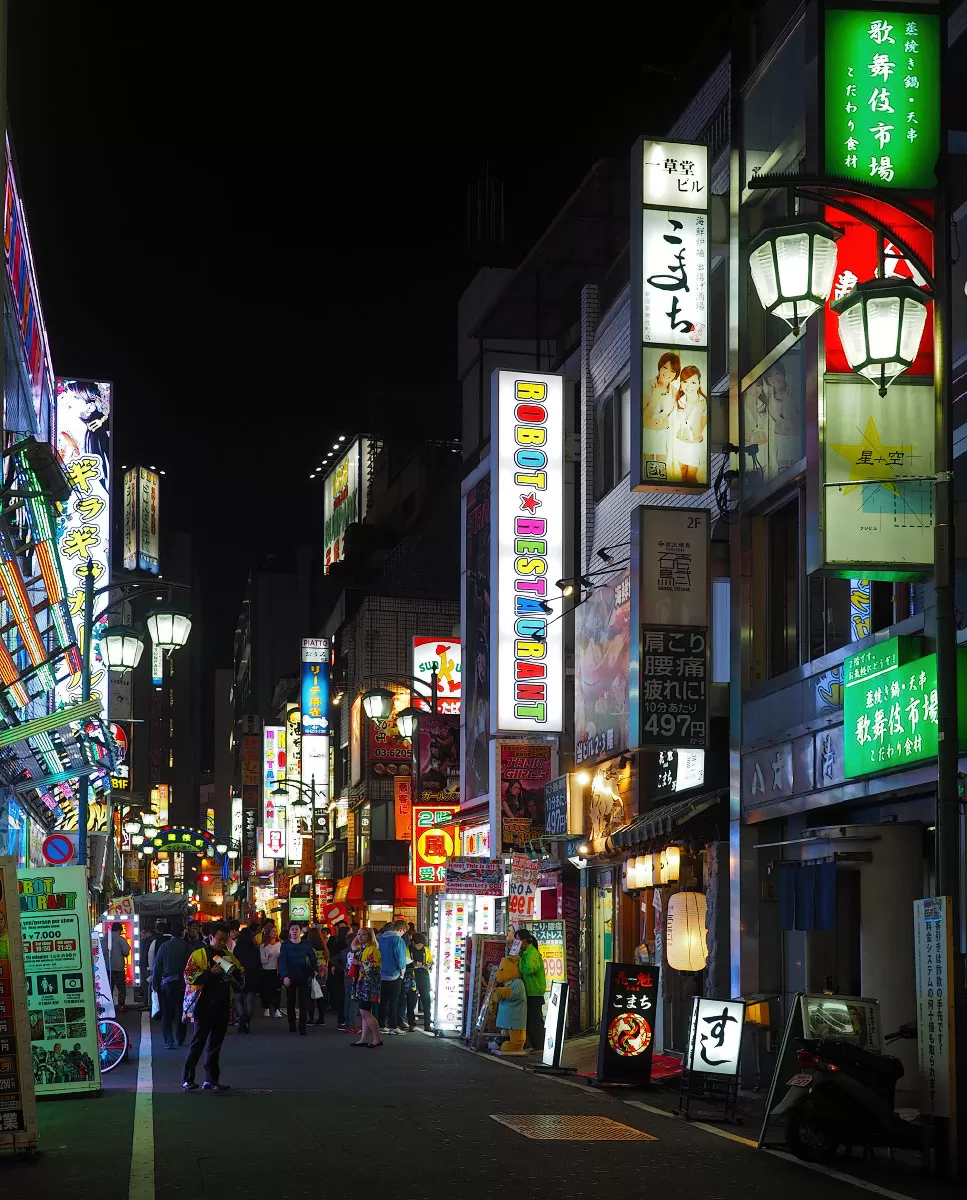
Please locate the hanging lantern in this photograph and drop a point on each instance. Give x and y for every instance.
(669, 864)
(793, 266)
(407, 722)
(378, 703)
(686, 944)
(169, 628)
(121, 647)
(880, 325)
(645, 870)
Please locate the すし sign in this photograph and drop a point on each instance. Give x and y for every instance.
(715, 1036)
(527, 548)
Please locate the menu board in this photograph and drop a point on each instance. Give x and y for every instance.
(60, 980)
(552, 940)
(627, 1023)
(18, 1110)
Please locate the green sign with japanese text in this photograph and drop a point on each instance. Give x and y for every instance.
(890, 709)
(882, 94)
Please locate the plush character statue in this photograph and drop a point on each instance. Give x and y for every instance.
(509, 1002)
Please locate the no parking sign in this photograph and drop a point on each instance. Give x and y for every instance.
(60, 849)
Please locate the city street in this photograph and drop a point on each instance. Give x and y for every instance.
(417, 1119)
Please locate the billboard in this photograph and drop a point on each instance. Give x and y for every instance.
(439, 759)
(444, 656)
(84, 534)
(602, 645)
(141, 499)
(345, 500)
(476, 630)
(882, 90)
(670, 269)
(523, 768)
(527, 553)
(316, 662)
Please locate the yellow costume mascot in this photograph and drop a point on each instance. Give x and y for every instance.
(509, 1003)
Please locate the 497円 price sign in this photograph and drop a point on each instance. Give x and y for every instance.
(673, 687)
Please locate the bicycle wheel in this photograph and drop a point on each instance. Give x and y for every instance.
(112, 1044)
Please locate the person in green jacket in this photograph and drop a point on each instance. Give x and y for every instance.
(532, 973)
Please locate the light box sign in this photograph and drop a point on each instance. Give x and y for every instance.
(273, 768)
(876, 480)
(882, 90)
(673, 548)
(345, 500)
(84, 533)
(670, 268)
(890, 708)
(715, 1036)
(432, 846)
(527, 546)
(130, 547)
(148, 502)
(316, 664)
(444, 656)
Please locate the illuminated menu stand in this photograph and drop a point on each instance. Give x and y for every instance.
(719, 1085)
(18, 1104)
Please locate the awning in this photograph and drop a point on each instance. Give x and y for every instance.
(405, 890)
(659, 822)
(349, 890)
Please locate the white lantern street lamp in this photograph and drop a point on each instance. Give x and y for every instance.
(169, 628)
(137, 839)
(132, 825)
(407, 722)
(121, 647)
(880, 325)
(793, 265)
(221, 847)
(148, 848)
(378, 704)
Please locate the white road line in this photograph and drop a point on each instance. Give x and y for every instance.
(841, 1175)
(141, 1184)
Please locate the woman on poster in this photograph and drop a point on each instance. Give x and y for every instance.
(687, 427)
(657, 405)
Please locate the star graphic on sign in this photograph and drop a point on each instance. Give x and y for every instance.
(529, 503)
(871, 461)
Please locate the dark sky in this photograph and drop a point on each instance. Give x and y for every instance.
(253, 218)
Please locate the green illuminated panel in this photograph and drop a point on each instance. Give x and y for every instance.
(882, 93)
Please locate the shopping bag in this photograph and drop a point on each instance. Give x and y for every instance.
(155, 1004)
(315, 991)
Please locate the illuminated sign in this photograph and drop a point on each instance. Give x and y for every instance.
(527, 549)
(882, 91)
(345, 500)
(316, 660)
(84, 445)
(442, 655)
(141, 498)
(273, 777)
(432, 846)
(670, 268)
(451, 961)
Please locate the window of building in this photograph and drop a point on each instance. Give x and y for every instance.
(842, 611)
(782, 600)
(612, 452)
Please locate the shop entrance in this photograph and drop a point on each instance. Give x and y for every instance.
(602, 926)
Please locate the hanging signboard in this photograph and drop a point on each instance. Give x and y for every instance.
(933, 955)
(18, 1110)
(527, 548)
(442, 656)
(602, 648)
(469, 876)
(882, 89)
(626, 1041)
(60, 980)
(438, 750)
(672, 554)
(669, 315)
(523, 768)
(673, 694)
(432, 846)
(403, 803)
(522, 902)
(557, 804)
(345, 499)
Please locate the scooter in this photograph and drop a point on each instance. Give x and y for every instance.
(843, 1096)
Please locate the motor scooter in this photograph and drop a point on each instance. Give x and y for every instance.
(843, 1096)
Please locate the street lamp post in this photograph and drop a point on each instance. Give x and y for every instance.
(308, 789)
(122, 647)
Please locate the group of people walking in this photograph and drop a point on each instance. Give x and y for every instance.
(388, 976)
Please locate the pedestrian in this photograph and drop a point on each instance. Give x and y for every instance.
(392, 951)
(116, 950)
(234, 928)
(193, 936)
(210, 974)
(338, 948)
(367, 985)
(168, 980)
(161, 936)
(531, 966)
(249, 956)
(353, 951)
(298, 966)
(313, 937)
(271, 983)
(145, 937)
(422, 961)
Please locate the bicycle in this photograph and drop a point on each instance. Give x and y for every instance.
(112, 1043)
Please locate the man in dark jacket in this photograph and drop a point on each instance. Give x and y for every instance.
(168, 980)
(298, 966)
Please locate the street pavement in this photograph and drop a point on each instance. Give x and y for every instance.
(414, 1120)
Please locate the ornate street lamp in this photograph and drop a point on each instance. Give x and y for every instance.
(221, 847)
(407, 722)
(169, 627)
(793, 265)
(132, 825)
(880, 325)
(378, 703)
(121, 647)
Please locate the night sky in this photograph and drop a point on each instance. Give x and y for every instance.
(257, 228)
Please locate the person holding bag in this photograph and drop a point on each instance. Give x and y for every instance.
(365, 973)
(298, 967)
(271, 984)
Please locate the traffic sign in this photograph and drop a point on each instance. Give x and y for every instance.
(60, 849)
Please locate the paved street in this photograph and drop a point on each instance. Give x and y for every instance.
(309, 1115)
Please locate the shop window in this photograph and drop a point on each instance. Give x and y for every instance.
(612, 451)
(782, 602)
(842, 611)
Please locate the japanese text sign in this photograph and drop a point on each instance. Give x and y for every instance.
(432, 846)
(627, 1034)
(522, 903)
(315, 686)
(882, 95)
(715, 1036)
(673, 693)
(527, 548)
(403, 804)
(933, 951)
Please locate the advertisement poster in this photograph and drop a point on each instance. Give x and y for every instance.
(18, 1113)
(439, 739)
(476, 601)
(673, 688)
(602, 645)
(450, 957)
(445, 657)
(524, 769)
(522, 901)
(345, 499)
(933, 951)
(773, 408)
(84, 445)
(626, 1042)
(60, 980)
(487, 951)
(527, 553)
(552, 940)
(469, 876)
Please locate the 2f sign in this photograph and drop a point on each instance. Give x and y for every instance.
(528, 553)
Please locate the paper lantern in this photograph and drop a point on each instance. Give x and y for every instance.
(686, 946)
(645, 870)
(669, 864)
